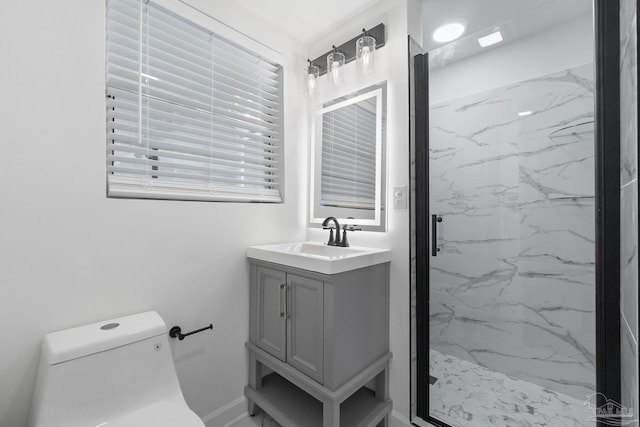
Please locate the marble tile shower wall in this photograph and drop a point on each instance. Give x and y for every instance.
(512, 175)
(629, 202)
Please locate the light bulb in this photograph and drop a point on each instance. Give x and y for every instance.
(335, 65)
(365, 49)
(313, 73)
(366, 58)
(335, 72)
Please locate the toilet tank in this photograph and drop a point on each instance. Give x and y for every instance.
(96, 373)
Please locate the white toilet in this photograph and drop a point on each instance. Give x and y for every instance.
(115, 373)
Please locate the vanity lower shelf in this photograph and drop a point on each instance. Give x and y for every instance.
(292, 407)
(295, 400)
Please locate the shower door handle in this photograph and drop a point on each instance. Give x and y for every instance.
(435, 219)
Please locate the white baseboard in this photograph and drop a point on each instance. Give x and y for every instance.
(228, 415)
(397, 420)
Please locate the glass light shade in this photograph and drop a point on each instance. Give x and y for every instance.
(335, 68)
(365, 48)
(313, 73)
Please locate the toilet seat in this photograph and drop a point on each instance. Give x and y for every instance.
(166, 413)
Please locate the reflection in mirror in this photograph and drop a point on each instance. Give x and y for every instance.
(348, 172)
(347, 165)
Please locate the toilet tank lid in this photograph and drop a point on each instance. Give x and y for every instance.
(62, 346)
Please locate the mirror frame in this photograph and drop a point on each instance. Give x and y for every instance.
(348, 216)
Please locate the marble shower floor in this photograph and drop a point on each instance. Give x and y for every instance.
(468, 395)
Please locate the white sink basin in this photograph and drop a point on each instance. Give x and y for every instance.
(319, 257)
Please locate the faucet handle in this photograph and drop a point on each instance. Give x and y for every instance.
(345, 228)
(331, 240)
(352, 227)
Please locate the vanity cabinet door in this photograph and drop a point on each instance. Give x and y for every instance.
(305, 329)
(271, 319)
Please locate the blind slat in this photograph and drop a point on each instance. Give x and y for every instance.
(167, 175)
(129, 102)
(139, 187)
(249, 157)
(128, 122)
(196, 172)
(194, 155)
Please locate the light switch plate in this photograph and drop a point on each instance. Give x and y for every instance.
(400, 197)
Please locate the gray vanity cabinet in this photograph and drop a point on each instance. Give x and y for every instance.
(289, 319)
(319, 345)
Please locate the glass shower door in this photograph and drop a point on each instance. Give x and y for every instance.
(512, 266)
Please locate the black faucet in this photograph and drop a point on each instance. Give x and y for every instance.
(331, 241)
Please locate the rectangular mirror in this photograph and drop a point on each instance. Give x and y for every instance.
(348, 160)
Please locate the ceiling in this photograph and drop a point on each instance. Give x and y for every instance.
(479, 15)
(303, 19)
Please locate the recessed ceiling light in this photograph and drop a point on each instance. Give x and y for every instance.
(492, 38)
(448, 32)
(525, 113)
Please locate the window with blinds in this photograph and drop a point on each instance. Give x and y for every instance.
(349, 156)
(191, 115)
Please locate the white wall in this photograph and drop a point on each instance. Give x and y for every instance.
(415, 9)
(391, 65)
(556, 49)
(69, 255)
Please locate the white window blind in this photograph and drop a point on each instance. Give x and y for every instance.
(190, 114)
(349, 156)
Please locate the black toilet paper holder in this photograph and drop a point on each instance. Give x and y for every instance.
(176, 332)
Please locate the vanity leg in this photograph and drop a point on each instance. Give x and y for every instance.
(330, 414)
(255, 381)
(252, 407)
(382, 391)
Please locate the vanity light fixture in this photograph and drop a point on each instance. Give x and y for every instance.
(360, 48)
(448, 32)
(365, 48)
(335, 67)
(491, 39)
(313, 73)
